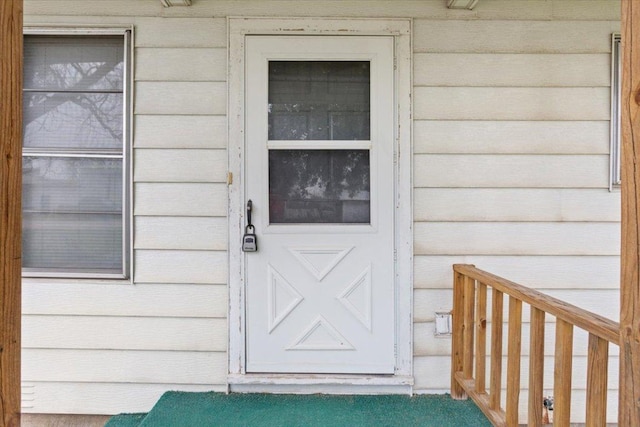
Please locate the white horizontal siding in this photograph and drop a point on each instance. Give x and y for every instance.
(506, 171)
(180, 98)
(168, 64)
(181, 32)
(511, 103)
(85, 9)
(179, 131)
(509, 36)
(542, 272)
(432, 373)
(179, 165)
(188, 233)
(507, 238)
(124, 333)
(98, 398)
(180, 199)
(122, 20)
(174, 266)
(425, 343)
(426, 302)
(543, 70)
(597, 10)
(432, 9)
(516, 204)
(177, 367)
(511, 137)
(152, 300)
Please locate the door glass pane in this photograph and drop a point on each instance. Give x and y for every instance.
(319, 186)
(319, 100)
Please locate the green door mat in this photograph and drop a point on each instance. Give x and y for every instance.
(218, 409)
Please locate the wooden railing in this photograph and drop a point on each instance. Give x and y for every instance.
(469, 350)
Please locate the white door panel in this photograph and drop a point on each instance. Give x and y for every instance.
(319, 170)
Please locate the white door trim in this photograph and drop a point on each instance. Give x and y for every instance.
(238, 29)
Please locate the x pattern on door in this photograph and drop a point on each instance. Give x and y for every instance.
(284, 297)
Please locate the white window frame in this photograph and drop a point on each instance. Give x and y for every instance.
(401, 29)
(127, 182)
(615, 177)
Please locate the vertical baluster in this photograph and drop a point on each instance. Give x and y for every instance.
(536, 367)
(513, 360)
(598, 358)
(481, 338)
(468, 332)
(457, 343)
(496, 350)
(562, 373)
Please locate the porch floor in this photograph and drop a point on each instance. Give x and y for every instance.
(177, 409)
(60, 420)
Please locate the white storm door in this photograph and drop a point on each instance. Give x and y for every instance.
(320, 174)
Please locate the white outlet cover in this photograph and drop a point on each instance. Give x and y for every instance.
(443, 324)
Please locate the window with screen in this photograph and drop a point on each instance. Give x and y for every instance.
(311, 102)
(75, 173)
(615, 178)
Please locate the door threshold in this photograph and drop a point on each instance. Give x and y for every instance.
(320, 383)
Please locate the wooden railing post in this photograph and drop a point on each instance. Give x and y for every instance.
(468, 327)
(562, 373)
(629, 400)
(457, 343)
(536, 367)
(597, 363)
(514, 348)
(481, 339)
(10, 208)
(495, 386)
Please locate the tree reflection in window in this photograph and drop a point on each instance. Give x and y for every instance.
(73, 93)
(73, 157)
(319, 186)
(319, 100)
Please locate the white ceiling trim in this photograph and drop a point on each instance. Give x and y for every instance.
(451, 4)
(462, 4)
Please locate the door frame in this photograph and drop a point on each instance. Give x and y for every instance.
(402, 380)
